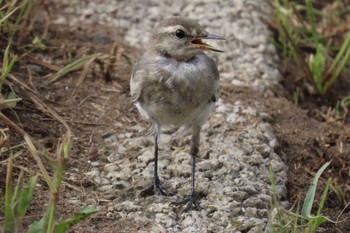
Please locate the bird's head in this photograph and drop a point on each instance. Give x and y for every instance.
(181, 38)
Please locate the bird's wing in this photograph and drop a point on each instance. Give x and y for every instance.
(136, 82)
(216, 76)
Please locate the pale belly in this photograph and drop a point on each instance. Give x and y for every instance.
(176, 114)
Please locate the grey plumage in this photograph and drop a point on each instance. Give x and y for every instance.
(175, 93)
(175, 83)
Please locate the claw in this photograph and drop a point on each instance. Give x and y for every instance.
(155, 189)
(191, 203)
(158, 188)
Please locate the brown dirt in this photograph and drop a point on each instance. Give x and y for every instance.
(100, 106)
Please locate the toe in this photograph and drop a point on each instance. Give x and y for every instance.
(190, 203)
(147, 192)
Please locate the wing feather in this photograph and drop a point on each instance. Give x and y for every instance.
(136, 82)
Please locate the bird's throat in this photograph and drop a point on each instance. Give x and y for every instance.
(179, 58)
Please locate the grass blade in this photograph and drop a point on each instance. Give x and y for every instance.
(63, 226)
(23, 9)
(18, 188)
(8, 61)
(316, 65)
(25, 197)
(296, 217)
(9, 14)
(9, 225)
(312, 20)
(339, 67)
(317, 220)
(275, 201)
(324, 196)
(342, 50)
(72, 67)
(310, 195)
(37, 227)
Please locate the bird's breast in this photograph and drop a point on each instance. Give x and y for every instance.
(193, 81)
(178, 91)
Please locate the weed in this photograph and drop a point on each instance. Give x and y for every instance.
(18, 197)
(296, 96)
(299, 221)
(75, 65)
(11, 16)
(339, 193)
(17, 201)
(300, 38)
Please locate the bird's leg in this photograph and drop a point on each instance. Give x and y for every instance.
(191, 201)
(157, 186)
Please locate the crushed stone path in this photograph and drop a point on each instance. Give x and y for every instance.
(237, 144)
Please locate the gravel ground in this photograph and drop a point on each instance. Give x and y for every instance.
(237, 144)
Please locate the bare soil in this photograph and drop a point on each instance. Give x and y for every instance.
(100, 106)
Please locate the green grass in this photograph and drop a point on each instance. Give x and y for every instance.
(9, 26)
(7, 99)
(17, 200)
(20, 186)
(298, 220)
(323, 57)
(75, 65)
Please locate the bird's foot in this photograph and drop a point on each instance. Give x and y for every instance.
(158, 188)
(191, 203)
(155, 189)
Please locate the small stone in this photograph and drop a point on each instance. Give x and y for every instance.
(265, 198)
(92, 173)
(251, 212)
(255, 202)
(146, 156)
(249, 189)
(95, 164)
(128, 206)
(110, 215)
(105, 188)
(110, 208)
(277, 166)
(164, 219)
(109, 137)
(238, 195)
(74, 200)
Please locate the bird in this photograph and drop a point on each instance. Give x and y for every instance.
(176, 84)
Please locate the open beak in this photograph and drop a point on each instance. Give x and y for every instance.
(199, 43)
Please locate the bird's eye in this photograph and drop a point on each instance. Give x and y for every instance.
(180, 33)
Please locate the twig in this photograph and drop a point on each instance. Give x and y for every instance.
(44, 64)
(81, 122)
(89, 123)
(40, 104)
(47, 19)
(84, 100)
(32, 150)
(341, 212)
(82, 76)
(31, 80)
(64, 182)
